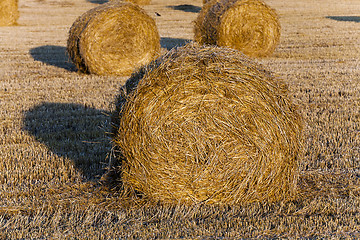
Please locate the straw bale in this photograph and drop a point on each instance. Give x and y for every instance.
(9, 12)
(207, 125)
(249, 26)
(113, 39)
(139, 2)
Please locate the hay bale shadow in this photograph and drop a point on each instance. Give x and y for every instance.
(98, 1)
(170, 43)
(186, 8)
(345, 18)
(53, 55)
(73, 131)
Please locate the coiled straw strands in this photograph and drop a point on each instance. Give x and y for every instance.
(140, 2)
(9, 12)
(113, 38)
(207, 125)
(249, 26)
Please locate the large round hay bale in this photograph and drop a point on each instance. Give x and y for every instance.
(9, 12)
(113, 38)
(206, 124)
(249, 26)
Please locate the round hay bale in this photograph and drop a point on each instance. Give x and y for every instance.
(9, 12)
(207, 125)
(113, 39)
(249, 26)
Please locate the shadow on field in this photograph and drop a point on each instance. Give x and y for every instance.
(345, 18)
(170, 43)
(53, 55)
(186, 8)
(98, 1)
(74, 131)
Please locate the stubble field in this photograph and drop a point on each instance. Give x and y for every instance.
(54, 145)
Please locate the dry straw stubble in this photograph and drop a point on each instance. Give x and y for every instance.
(250, 26)
(113, 39)
(206, 124)
(9, 12)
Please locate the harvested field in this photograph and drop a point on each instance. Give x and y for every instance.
(54, 146)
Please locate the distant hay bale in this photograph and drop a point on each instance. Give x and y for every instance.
(113, 39)
(206, 124)
(249, 26)
(9, 12)
(139, 2)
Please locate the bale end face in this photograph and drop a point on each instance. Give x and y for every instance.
(249, 26)
(140, 2)
(104, 41)
(9, 12)
(206, 124)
